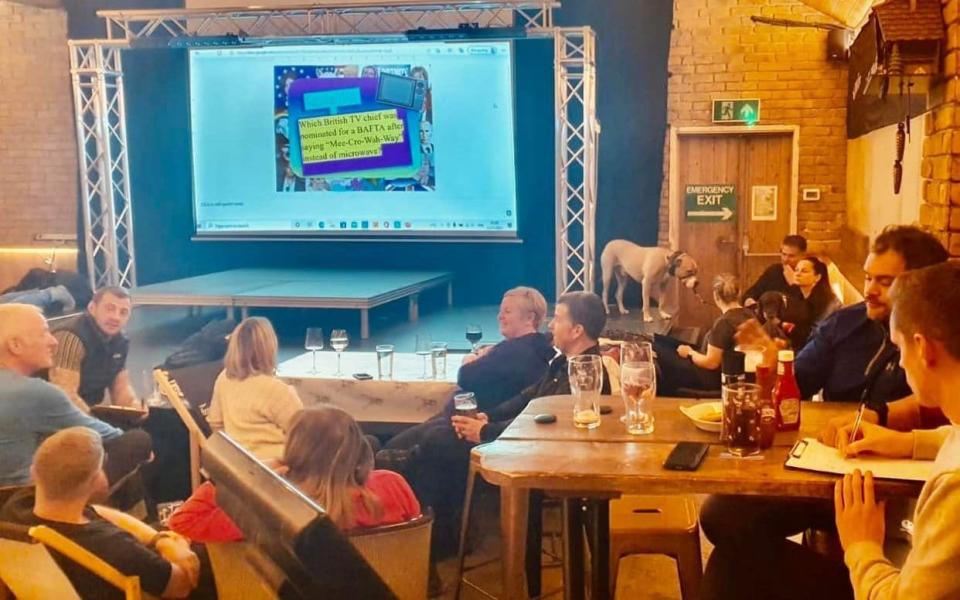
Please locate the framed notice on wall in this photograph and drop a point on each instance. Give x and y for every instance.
(763, 205)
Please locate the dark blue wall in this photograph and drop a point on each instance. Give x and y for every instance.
(633, 46)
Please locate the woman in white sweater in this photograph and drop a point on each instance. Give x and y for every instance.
(250, 403)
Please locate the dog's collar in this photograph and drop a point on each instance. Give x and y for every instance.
(672, 262)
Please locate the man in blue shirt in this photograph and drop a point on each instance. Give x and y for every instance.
(32, 409)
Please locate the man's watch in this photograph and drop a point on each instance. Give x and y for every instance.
(162, 535)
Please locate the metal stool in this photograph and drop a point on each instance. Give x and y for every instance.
(658, 525)
(534, 543)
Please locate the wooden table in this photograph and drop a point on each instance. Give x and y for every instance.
(607, 462)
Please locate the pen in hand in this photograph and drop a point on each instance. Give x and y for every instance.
(856, 423)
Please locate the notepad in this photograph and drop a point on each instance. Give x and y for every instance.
(810, 455)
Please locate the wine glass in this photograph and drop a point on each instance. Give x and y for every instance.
(423, 350)
(313, 343)
(474, 334)
(339, 342)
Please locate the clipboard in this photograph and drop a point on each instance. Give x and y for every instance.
(808, 454)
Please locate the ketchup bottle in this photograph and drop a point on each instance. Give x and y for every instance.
(768, 415)
(786, 394)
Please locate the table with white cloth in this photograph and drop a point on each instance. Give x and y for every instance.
(404, 399)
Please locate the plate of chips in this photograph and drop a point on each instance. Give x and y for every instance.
(705, 415)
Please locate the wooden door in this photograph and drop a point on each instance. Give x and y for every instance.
(755, 164)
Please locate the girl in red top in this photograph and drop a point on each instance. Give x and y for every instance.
(328, 458)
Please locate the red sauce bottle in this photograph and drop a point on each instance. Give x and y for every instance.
(786, 394)
(768, 414)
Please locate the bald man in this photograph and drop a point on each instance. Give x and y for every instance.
(32, 409)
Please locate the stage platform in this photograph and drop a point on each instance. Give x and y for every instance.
(296, 288)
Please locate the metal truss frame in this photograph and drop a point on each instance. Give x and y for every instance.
(97, 73)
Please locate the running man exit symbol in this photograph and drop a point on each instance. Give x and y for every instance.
(736, 111)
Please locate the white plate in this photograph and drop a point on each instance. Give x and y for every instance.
(700, 409)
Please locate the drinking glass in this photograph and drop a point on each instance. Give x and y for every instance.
(422, 349)
(638, 387)
(385, 361)
(339, 342)
(636, 352)
(474, 334)
(438, 352)
(313, 343)
(586, 381)
(465, 405)
(741, 418)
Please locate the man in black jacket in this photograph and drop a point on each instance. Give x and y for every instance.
(437, 467)
(778, 277)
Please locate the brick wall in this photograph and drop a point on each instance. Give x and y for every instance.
(940, 209)
(38, 155)
(717, 51)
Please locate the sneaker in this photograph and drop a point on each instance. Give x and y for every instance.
(60, 294)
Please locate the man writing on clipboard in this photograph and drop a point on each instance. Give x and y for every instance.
(929, 347)
(850, 358)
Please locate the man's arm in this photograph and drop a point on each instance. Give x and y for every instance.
(54, 412)
(175, 549)
(67, 361)
(812, 366)
(121, 392)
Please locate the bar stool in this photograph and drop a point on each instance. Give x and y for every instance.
(658, 525)
(534, 542)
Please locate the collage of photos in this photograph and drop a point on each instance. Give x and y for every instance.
(407, 166)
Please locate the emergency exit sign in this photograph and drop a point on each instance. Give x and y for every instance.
(709, 203)
(736, 111)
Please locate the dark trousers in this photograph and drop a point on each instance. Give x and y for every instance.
(676, 372)
(752, 557)
(124, 455)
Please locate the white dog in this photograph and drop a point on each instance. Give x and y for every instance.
(651, 266)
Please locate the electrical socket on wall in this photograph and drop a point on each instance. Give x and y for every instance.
(810, 194)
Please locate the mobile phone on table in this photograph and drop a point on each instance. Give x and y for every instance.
(686, 456)
(362, 376)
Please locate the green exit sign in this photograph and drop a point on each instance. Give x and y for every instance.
(736, 111)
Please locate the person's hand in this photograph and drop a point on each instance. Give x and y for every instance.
(875, 439)
(469, 358)
(684, 351)
(829, 434)
(176, 549)
(859, 517)
(468, 428)
(749, 302)
(276, 465)
(751, 333)
(483, 350)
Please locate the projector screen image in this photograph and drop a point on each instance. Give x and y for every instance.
(406, 139)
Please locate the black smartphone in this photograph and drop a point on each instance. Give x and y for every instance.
(686, 456)
(362, 376)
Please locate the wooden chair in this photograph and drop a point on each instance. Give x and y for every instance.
(169, 388)
(240, 571)
(658, 525)
(400, 554)
(30, 572)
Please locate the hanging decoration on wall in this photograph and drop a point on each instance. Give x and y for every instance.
(897, 164)
(763, 206)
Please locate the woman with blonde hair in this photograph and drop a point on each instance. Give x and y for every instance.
(249, 402)
(328, 458)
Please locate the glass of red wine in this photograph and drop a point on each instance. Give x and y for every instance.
(474, 334)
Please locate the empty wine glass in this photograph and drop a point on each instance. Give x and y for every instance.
(339, 342)
(422, 349)
(474, 334)
(313, 343)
